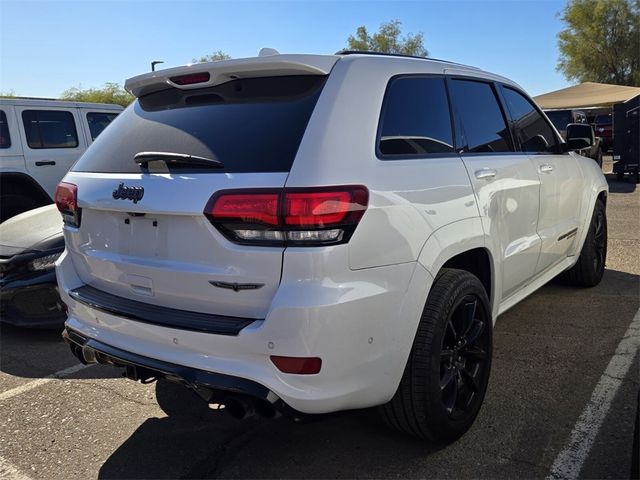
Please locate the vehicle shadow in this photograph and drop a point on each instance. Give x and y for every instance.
(226, 447)
(628, 185)
(524, 415)
(38, 353)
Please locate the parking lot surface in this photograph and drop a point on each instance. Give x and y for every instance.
(58, 420)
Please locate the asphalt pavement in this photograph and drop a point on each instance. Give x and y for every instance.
(550, 352)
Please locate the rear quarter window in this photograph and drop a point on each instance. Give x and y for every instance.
(98, 121)
(415, 119)
(250, 125)
(49, 129)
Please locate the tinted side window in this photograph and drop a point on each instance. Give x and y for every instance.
(5, 139)
(533, 131)
(484, 127)
(50, 129)
(98, 121)
(415, 118)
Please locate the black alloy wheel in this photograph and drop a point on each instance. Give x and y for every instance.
(463, 356)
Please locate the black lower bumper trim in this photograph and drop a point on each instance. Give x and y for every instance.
(157, 315)
(193, 377)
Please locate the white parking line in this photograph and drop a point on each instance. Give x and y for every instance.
(570, 460)
(10, 472)
(41, 381)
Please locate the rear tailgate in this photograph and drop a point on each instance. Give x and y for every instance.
(143, 235)
(163, 250)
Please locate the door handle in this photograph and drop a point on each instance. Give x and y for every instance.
(46, 162)
(546, 168)
(486, 174)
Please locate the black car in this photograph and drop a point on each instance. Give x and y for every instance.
(30, 243)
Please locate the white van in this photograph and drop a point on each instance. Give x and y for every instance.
(39, 141)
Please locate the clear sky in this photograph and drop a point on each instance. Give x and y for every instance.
(49, 46)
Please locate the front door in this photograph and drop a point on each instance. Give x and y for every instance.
(560, 179)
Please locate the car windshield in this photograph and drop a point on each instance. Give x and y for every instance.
(603, 119)
(560, 118)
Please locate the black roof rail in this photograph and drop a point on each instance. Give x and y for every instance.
(383, 54)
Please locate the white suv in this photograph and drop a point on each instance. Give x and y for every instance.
(39, 141)
(306, 234)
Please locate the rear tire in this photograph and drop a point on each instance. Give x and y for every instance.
(589, 269)
(447, 373)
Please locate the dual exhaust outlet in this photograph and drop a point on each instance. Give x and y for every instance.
(238, 406)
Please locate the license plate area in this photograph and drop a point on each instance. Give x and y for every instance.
(142, 236)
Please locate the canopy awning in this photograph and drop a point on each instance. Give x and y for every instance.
(588, 94)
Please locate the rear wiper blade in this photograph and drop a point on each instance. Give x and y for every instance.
(143, 159)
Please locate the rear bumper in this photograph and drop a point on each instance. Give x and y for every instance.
(89, 350)
(361, 325)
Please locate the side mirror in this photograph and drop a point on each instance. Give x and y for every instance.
(579, 136)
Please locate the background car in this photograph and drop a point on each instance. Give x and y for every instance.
(30, 243)
(603, 126)
(562, 118)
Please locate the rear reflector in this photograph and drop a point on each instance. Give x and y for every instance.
(191, 78)
(297, 365)
(66, 199)
(309, 216)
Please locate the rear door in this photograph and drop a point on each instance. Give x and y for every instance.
(561, 181)
(143, 233)
(505, 182)
(53, 142)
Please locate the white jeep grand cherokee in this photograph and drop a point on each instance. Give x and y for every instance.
(305, 234)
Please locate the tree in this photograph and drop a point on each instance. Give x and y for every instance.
(110, 93)
(601, 41)
(214, 57)
(387, 40)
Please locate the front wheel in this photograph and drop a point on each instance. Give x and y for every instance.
(589, 269)
(447, 373)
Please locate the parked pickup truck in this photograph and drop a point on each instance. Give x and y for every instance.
(39, 141)
(562, 118)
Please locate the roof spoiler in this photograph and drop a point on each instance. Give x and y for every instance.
(222, 71)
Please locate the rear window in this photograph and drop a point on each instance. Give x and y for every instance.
(5, 139)
(50, 129)
(250, 125)
(98, 121)
(603, 119)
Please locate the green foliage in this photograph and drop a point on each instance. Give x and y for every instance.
(387, 40)
(110, 93)
(215, 56)
(601, 41)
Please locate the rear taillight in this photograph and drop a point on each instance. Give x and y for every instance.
(67, 203)
(294, 217)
